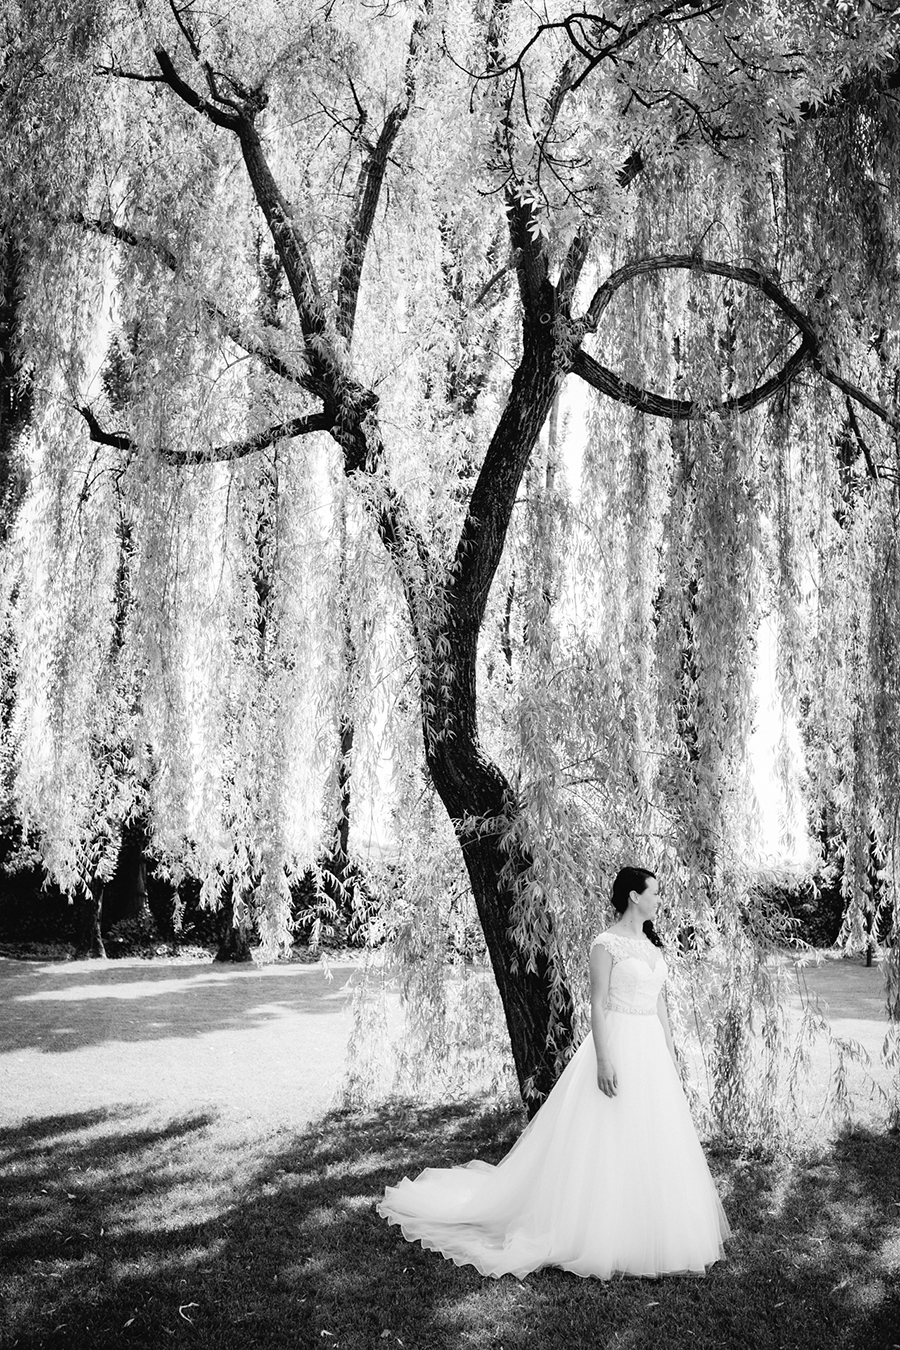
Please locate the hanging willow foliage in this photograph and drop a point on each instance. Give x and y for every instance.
(480, 385)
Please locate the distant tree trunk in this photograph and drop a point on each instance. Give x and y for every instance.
(15, 392)
(131, 873)
(88, 914)
(335, 863)
(113, 835)
(234, 938)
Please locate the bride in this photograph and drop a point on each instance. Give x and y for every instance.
(609, 1176)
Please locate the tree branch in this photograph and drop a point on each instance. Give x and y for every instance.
(854, 93)
(349, 407)
(218, 454)
(692, 262)
(573, 264)
(369, 185)
(871, 467)
(189, 95)
(117, 439)
(230, 326)
(490, 284)
(659, 405)
(289, 242)
(140, 77)
(530, 257)
(478, 552)
(853, 391)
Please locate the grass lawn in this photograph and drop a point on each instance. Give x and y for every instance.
(196, 1216)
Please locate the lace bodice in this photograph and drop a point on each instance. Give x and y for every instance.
(638, 972)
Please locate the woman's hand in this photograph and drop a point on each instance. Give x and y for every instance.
(606, 1077)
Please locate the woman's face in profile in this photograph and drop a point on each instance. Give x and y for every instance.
(648, 899)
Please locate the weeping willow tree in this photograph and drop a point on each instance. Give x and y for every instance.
(675, 223)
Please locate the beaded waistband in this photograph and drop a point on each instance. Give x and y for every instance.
(613, 1006)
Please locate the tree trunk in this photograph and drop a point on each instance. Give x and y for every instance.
(335, 863)
(535, 996)
(88, 912)
(15, 393)
(532, 984)
(234, 938)
(334, 870)
(131, 874)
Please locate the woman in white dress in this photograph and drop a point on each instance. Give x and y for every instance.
(609, 1176)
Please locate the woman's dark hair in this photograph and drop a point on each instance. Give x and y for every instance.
(633, 879)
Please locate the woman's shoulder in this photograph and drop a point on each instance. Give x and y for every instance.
(615, 941)
(608, 938)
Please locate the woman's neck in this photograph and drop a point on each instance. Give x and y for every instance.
(633, 927)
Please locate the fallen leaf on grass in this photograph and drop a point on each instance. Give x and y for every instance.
(129, 1322)
(182, 1313)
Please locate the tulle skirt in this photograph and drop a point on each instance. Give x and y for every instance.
(594, 1184)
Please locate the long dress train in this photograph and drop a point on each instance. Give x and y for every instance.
(594, 1184)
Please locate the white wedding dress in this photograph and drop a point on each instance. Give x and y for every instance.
(594, 1184)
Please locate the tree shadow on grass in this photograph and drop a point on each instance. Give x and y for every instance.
(298, 1258)
(57, 1009)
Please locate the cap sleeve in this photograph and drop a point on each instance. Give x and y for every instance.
(607, 941)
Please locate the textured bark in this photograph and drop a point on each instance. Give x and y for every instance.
(535, 996)
(88, 915)
(536, 1001)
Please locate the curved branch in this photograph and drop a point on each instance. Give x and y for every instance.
(692, 262)
(661, 406)
(678, 409)
(117, 439)
(218, 454)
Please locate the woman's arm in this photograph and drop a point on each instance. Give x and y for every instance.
(601, 969)
(662, 1012)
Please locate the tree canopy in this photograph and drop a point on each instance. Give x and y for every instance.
(522, 361)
